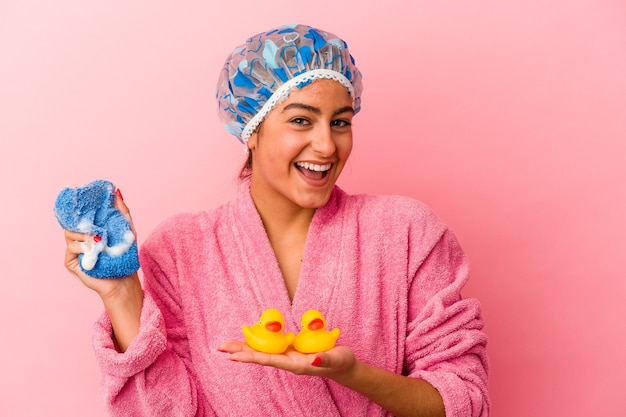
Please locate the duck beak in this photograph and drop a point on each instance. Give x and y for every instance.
(274, 326)
(316, 324)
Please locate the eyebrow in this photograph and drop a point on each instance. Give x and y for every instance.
(316, 110)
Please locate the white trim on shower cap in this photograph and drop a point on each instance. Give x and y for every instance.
(283, 92)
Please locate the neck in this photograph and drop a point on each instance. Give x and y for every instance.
(281, 217)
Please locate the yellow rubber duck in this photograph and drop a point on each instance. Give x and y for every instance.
(314, 337)
(266, 335)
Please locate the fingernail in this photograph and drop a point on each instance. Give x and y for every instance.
(119, 193)
(97, 238)
(221, 350)
(317, 361)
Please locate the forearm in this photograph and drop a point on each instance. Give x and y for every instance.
(398, 394)
(153, 376)
(124, 310)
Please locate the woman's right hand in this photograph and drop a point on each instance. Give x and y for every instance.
(122, 297)
(75, 242)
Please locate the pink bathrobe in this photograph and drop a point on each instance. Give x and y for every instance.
(384, 270)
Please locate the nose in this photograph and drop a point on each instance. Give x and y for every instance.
(323, 142)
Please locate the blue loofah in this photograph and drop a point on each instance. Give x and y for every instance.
(89, 209)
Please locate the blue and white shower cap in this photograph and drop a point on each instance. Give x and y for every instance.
(260, 74)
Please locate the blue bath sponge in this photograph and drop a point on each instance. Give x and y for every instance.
(90, 209)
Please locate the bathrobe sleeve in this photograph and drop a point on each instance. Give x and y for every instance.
(445, 343)
(155, 376)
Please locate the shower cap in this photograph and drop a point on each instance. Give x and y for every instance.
(260, 74)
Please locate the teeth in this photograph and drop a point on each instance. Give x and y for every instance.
(313, 167)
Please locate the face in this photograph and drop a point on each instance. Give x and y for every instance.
(302, 146)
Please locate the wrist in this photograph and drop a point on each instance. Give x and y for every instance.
(351, 375)
(123, 304)
(124, 291)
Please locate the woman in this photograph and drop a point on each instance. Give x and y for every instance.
(385, 270)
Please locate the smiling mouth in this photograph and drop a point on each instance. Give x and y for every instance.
(313, 171)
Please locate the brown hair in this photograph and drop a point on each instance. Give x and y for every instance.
(246, 169)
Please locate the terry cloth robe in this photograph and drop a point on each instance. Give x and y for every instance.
(384, 269)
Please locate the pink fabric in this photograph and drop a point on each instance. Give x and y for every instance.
(384, 270)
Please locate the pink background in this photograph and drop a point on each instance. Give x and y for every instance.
(507, 117)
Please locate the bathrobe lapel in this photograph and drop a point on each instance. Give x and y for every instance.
(320, 266)
(315, 285)
(265, 277)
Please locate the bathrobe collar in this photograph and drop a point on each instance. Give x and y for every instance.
(320, 271)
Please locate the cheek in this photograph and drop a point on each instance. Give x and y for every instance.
(276, 156)
(344, 147)
(288, 147)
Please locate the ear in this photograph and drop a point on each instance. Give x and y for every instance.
(253, 140)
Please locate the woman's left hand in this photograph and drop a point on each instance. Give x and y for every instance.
(336, 362)
(398, 394)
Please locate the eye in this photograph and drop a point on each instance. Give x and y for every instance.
(300, 121)
(341, 123)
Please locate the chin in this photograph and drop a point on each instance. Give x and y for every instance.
(314, 201)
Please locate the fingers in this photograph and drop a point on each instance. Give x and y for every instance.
(76, 237)
(295, 364)
(75, 248)
(291, 360)
(75, 243)
(78, 243)
(72, 264)
(318, 361)
(241, 352)
(123, 208)
(120, 205)
(337, 361)
(232, 346)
